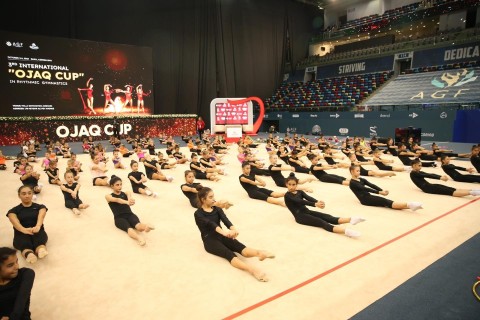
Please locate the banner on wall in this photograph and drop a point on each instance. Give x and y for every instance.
(47, 76)
(447, 55)
(436, 125)
(101, 128)
(356, 67)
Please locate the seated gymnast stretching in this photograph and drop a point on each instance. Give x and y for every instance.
(223, 243)
(125, 219)
(418, 178)
(250, 182)
(362, 189)
(318, 170)
(190, 189)
(451, 170)
(137, 179)
(275, 169)
(297, 200)
(70, 192)
(15, 286)
(29, 235)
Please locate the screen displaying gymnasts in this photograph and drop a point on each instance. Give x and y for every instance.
(45, 76)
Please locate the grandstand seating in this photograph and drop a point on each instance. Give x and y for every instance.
(459, 86)
(333, 92)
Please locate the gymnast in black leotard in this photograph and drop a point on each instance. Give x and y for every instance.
(363, 189)
(418, 178)
(251, 182)
(125, 219)
(451, 170)
(319, 171)
(371, 173)
(297, 200)
(70, 192)
(190, 189)
(385, 164)
(276, 169)
(223, 243)
(137, 180)
(201, 172)
(297, 163)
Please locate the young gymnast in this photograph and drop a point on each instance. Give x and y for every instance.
(117, 160)
(137, 179)
(418, 178)
(77, 165)
(180, 157)
(275, 169)
(153, 170)
(475, 157)
(452, 171)
(52, 173)
(70, 191)
(29, 234)
(329, 157)
(209, 164)
(404, 155)
(297, 163)
(70, 167)
(318, 170)
(385, 164)
(3, 164)
(200, 171)
(223, 243)
(251, 182)
(98, 169)
(362, 189)
(371, 173)
(30, 178)
(125, 219)
(297, 202)
(190, 189)
(15, 286)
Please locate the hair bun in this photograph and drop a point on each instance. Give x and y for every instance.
(291, 174)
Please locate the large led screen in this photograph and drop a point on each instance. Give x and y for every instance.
(45, 76)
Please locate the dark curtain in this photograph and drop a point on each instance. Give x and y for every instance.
(202, 49)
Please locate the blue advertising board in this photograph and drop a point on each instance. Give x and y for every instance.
(452, 54)
(435, 124)
(356, 67)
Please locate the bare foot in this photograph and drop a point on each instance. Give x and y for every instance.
(84, 206)
(42, 253)
(148, 228)
(308, 190)
(265, 254)
(31, 258)
(260, 275)
(141, 242)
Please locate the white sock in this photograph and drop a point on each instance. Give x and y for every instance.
(355, 220)
(414, 205)
(34, 197)
(40, 184)
(352, 233)
(407, 168)
(475, 192)
(169, 178)
(148, 192)
(154, 195)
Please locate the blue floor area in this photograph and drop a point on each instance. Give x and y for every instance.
(443, 291)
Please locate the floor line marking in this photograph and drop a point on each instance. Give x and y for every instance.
(323, 274)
